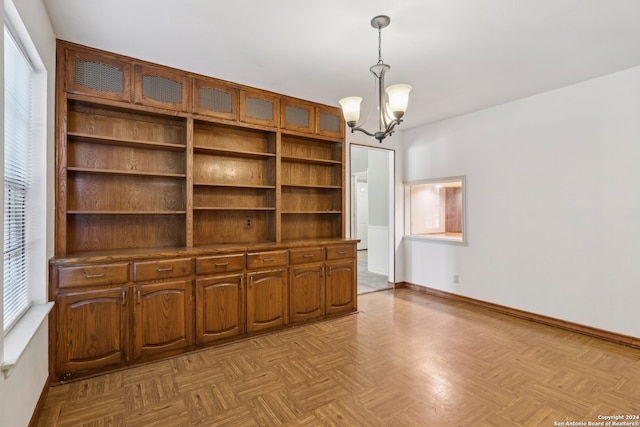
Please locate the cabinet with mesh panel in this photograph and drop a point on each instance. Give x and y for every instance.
(297, 115)
(260, 108)
(161, 87)
(329, 121)
(215, 98)
(97, 74)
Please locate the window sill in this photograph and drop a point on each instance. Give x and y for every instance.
(19, 337)
(437, 239)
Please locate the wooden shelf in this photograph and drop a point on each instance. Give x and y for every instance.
(123, 172)
(85, 212)
(109, 140)
(310, 160)
(203, 184)
(232, 153)
(232, 208)
(312, 186)
(310, 212)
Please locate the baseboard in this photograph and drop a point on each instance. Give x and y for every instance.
(562, 324)
(40, 404)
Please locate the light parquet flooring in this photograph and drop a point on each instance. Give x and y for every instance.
(406, 359)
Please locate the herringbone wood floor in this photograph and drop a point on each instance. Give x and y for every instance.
(407, 359)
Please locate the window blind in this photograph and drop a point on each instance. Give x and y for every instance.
(18, 76)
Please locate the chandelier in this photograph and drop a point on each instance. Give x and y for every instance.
(392, 102)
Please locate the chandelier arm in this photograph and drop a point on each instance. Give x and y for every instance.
(382, 119)
(358, 128)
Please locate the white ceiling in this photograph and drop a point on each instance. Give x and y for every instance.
(459, 55)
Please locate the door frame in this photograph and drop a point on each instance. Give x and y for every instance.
(391, 203)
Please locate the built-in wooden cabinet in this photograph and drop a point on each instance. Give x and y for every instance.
(322, 282)
(260, 108)
(266, 299)
(216, 99)
(298, 115)
(234, 184)
(160, 87)
(93, 73)
(189, 211)
(162, 317)
(92, 330)
(219, 308)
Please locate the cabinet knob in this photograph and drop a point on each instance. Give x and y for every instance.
(124, 297)
(329, 267)
(138, 296)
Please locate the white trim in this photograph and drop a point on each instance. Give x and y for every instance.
(436, 239)
(17, 340)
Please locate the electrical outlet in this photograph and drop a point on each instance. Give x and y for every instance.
(248, 222)
(456, 279)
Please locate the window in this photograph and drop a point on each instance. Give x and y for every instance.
(434, 210)
(18, 144)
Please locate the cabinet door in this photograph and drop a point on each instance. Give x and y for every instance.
(259, 108)
(341, 287)
(162, 317)
(266, 299)
(329, 121)
(92, 329)
(218, 308)
(160, 87)
(97, 74)
(297, 115)
(306, 293)
(215, 99)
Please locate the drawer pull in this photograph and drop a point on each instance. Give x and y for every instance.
(221, 264)
(307, 256)
(93, 276)
(268, 259)
(161, 270)
(342, 252)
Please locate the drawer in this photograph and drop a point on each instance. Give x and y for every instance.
(267, 259)
(342, 251)
(93, 275)
(306, 255)
(162, 269)
(219, 264)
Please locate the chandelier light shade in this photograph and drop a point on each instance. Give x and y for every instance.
(392, 101)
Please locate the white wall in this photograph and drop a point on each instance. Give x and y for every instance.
(553, 206)
(19, 392)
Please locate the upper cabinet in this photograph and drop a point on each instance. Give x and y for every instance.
(154, 157)
(97, 74)
(214, 98)
(329, 121)
(161, 88)
(298, 115)
(259, 108)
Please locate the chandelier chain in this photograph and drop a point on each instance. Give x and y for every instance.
(380, 45)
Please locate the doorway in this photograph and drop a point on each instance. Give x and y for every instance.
(372, 215)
